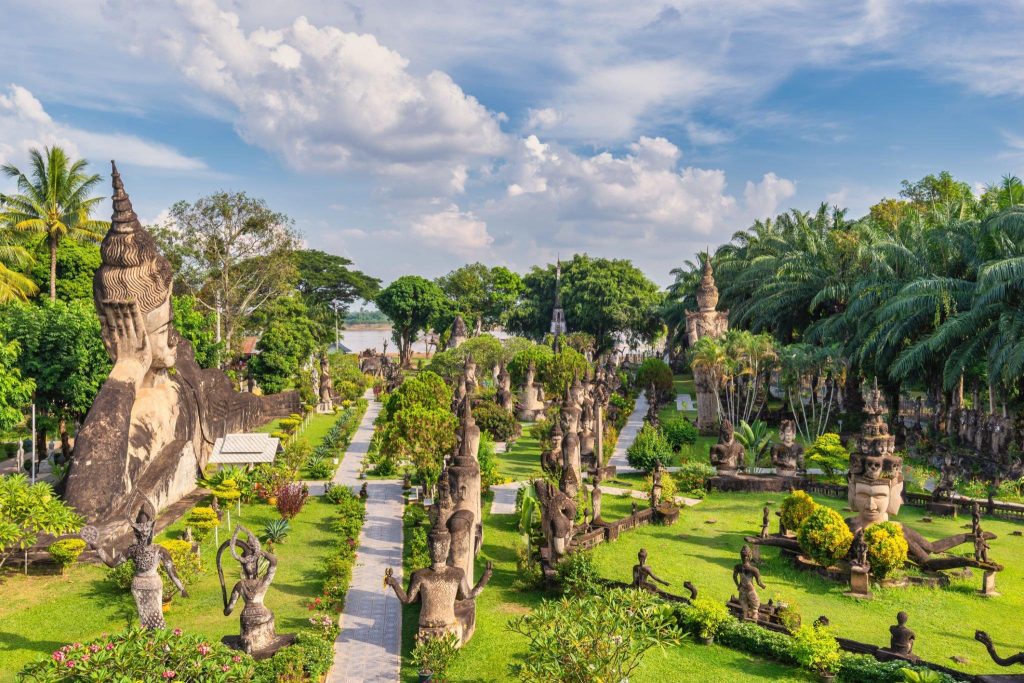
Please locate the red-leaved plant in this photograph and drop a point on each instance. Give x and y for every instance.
(291, 498)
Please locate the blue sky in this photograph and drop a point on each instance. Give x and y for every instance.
(417, 136)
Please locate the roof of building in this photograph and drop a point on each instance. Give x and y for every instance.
(249, 345)
(242, 449)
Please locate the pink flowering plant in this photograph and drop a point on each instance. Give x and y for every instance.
(137, 654)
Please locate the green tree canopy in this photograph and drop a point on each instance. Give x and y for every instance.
(77, 263)
(15, 390)
(412, 303)
(476, 291)
(602, 297)
(199, 328)
(288, 341)
(324, 279)
(28, 510)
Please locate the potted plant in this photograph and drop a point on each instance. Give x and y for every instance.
(433, 655)
(817, 650)
(708, 617)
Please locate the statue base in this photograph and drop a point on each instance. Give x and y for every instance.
(667, 514)
(267, 650)
(860, 585)
(942, 509)
(988, 585)
(755, 483)
(325, 407)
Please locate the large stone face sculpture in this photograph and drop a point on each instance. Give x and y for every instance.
(727, 456)
(875, 493)
(150, 431)
(447, 601)
(787, 455)
(706, 322)
(147, 586)
(257, 636)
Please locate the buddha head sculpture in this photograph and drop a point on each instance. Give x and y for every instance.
(439, 542)
(132, 286)
(875, 477)
(787, 432)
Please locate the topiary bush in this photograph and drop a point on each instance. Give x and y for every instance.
(649, 448)
(795, 509)
(679, 431)
(65, 552)
(203, 520)
(496, 421)
(187, 564)
(828, 453)
(887, 548)
(824, 536)
(657, 371)
(705, 618)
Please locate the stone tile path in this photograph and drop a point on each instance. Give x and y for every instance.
(369, 647)
(644, 495)
(685, 402)
(627, 435)
(504, 502)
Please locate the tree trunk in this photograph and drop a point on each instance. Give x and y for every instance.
(53, 267)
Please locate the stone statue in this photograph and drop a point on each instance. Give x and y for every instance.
(874, 491)
(787, 456)
(551, 460)
(153, 424)
(764, 522)
(504, 394)
(727, 455)
(558, 513)
(326, 404)
(858, 552)
(946, 486)
(706, 322)
(459, 334)
(595, 496)
(531, 400)
(571, 455)
(745, 575)
(902, 639)
(441, 588)
(469, 372)
(656, 475)
(256, 621)
(643, 577)
(983, 638)
(147, 586)
(464, 479)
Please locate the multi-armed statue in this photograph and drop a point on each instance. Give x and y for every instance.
(147, 586)
(150, 430)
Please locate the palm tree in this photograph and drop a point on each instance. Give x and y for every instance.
(13, 285)
(54, 203)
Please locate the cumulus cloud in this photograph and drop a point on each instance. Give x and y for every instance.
(24, 124)
(323, 98)
(455, 231)
(763, 198)
(542, 119)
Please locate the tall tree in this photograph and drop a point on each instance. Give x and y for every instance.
(326, 280)
(289, 338)
(412, 303)
(480, 293)
(605, 298)
(53, 202)
(15, 390)
(14, 286)
(230, 250)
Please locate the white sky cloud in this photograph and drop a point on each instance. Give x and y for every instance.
(455, 231)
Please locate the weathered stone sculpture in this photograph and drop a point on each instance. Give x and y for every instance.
(764, 522)
(727, 456)
(558, 513)
(258, 636)
(447, 601)
(656, 475)
(787, 455)
(326, 404)
(147, 586)
(551, 459)
(986, 640)
(531, 400)
(875, 487)
(901, 640)
(459, 333)
(706, 322)
(153, 424)
(463, 474)
(504, 394)
(571, 454)
(745, 575)
(643, 577)
(469, 372)
(595, 496)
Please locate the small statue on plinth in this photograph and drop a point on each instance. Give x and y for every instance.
(745, 575)
(643, 577)
(727, 455)
(656, 486)
(764, 522)
(788, 455)
(902, 639)
(147, 586)
(258, 636)
(858, 553)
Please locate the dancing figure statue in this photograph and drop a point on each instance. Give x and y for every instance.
(257, 622)
(147, 586)
(745, 575)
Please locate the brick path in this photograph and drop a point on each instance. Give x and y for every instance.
(369, 647)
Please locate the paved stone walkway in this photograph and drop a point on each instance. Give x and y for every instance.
(369, 647)
(628, 435)
(504, 502)
(643, 495)
(684, 402)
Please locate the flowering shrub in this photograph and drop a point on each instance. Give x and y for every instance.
(887, 548)
(824, 536)
(291, 498)
(692, 477)
(816, 649)
(141, 655)
(795, 509)
(66, 551)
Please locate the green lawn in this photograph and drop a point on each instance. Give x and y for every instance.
(522, 463)
(944, 619)
(39, 613)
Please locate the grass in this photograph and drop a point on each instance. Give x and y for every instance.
(944, 619)
(39, 613)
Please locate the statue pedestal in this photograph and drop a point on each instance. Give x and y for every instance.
(667, 514)
(754, 483)
(267, 650)
(988, 585)
(860, 586)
